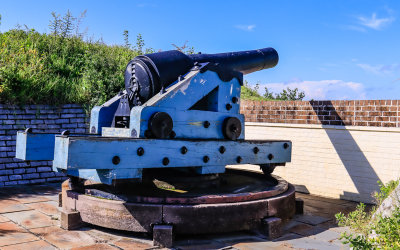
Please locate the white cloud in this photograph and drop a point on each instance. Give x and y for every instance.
(246, 27)
(374, 22)
(322, 90)
(379, 69)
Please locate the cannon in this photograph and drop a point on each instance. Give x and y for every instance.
(176, 111)
(156, 155)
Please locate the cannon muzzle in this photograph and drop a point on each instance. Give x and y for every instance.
(147, 74)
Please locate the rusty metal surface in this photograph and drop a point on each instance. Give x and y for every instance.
(232, 186)
(185, 218)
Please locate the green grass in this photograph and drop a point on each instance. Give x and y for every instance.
(51, 69)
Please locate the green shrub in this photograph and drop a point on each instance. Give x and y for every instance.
(368, 232)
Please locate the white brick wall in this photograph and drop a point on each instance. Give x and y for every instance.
(336, 161)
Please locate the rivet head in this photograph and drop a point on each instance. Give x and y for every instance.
(239, 159)
(165, 161)
(93, 130)
(256, 150)
(116, 160)
(270, 156)
(228, 106)
(172, 135)
(235, 99)
(184, 150)
(285, 145)
(206, 159)
(222, 149)
(206, 124)
(140, 151)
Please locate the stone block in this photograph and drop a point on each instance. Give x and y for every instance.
(6, 172)
(68, 115)
(299, 206)
(271, 227)
(46, 175)
(30, 176)
(19, 171)
(43, 169)
(4, 178)
(71, 220)
(9, 183)
(37, 181)
(15, 177)
(163, 235)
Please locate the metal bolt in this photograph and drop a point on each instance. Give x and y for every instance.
(172, 135)
(239, 159)
(206, 159)
(116, 160)
(206, 124)
(133, 133)
(270, 156)
(140, 151)
(256, 150)
(235, 99)
(228, 106)
(184, 150)
(222, 149)
(165, 161)
(285, 145)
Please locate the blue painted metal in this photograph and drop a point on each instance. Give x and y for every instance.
(34, 146)
(180, 97)
(187, 123)
(102, 116)
(106, 176)
(98, 153)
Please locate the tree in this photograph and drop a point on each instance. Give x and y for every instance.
(288, 94)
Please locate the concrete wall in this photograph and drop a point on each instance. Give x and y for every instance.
(42, 118)
(336, 161)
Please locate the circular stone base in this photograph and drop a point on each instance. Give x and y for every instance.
(235, 208)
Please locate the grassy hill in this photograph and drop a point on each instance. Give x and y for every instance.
(55, 69)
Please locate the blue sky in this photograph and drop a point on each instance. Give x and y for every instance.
(330, 49)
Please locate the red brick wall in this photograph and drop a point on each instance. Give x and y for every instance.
(381, 113)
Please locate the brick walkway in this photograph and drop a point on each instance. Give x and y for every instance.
(29, 219)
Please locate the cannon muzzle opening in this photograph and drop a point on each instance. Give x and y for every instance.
(146, 75)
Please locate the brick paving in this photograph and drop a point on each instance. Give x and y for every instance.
(29, 219)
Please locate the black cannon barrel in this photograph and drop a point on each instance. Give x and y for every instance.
(146, 75)
(244, 61)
